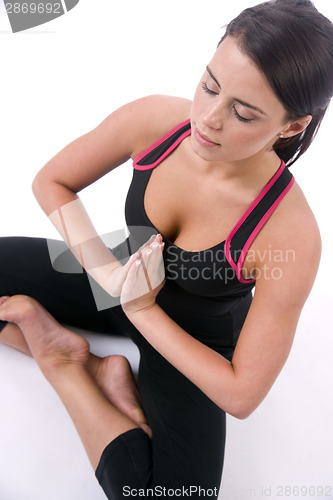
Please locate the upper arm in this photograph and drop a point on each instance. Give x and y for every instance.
(116, 139)
(267, 335)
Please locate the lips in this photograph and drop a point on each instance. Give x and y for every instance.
(203, 139)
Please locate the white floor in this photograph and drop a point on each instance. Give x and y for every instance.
(287, 442)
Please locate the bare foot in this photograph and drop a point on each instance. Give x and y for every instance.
(50, 343)
(115, 378)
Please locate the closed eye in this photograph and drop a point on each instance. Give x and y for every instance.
(241, 118)
(237, 115)
(207, 89)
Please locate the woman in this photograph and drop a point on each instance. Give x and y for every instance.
(210, 176)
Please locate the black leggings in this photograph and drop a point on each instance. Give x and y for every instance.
(185, 456)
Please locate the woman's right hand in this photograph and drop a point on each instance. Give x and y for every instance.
(118, 274)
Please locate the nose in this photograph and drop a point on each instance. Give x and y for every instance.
(212, 117)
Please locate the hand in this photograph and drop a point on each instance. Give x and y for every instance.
(145, 278)
(118, 273)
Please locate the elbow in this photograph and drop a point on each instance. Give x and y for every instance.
(243, 398)
(43, 187)
(239, 412)
(242, 413)
(241, 409)
(37, 186)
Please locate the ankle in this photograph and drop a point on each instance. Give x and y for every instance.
(57, 372)
(93, 365)
(55, 363)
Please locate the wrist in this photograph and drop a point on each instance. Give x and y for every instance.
(135, 315)
(104, 274)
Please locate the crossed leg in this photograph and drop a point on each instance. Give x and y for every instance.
(100, 395)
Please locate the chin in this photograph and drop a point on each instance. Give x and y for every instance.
(204, 153)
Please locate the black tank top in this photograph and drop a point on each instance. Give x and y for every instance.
(204, 291)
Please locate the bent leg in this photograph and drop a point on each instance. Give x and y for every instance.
(112, 374)
(26, 268)
(188, 430)
(63, 357)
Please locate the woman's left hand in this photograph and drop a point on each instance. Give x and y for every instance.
(145, 278)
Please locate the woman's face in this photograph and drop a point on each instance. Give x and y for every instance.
(235, 113)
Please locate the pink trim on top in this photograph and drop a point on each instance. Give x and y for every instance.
(260, 225)
(244, 217)
(157, 143)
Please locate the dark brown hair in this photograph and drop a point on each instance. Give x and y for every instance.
(292, 44)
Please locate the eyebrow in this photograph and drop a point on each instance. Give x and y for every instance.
(246, 104)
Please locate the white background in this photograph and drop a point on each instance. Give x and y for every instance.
(60, 80)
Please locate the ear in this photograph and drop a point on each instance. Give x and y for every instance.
(297, 127)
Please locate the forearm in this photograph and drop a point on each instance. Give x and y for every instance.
(67, 213)
(76, 228)
(209, 371)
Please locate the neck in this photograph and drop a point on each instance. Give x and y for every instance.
(251, 171)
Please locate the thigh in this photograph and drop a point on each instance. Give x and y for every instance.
(57, 281)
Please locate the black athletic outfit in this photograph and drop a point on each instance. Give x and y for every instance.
(204, 293)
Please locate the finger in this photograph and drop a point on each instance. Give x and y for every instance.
(135, 285)
(159, 264)
(157, 237)
(142, 280)
(148, 242)
(145, 256)
(133, 258)
(161, 268)
(152, 239)
(155, 265)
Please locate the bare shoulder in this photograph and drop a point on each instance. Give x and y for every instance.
(298, 222)
(303, 217)
(149, 118)
(157, 115)
(123, 134)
